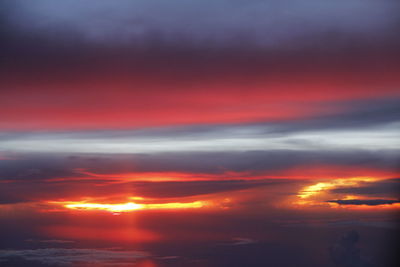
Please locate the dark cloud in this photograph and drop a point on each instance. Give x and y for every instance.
(345, 253)
(249, 254)
(355, 114)
(369, 202)
(196, 164)
(151, 35)
(12, 193)
(53, 241)
(69, 257)
(188, 188)
(386, 188)
(209, 22)
(156, 70)
(378, 223)
(40, 167)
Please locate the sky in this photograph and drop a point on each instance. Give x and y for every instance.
(199, 133)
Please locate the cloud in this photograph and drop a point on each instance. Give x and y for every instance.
(368, 223)
(363, 137)
(353, 114)
(368, 202)
(238, 241)
(268, 23)
(385, 188)
(13, 193)
(70, 257)
(54, 241)
(377, 223)
(345, 253)
(356, 126)
(147, 90)
(257, 254)
(249, 163)
(312, 140)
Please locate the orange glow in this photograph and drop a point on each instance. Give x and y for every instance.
(146, 263)
(300, 172)
(319, 194)
(166, 176)
(323, 187)
(130, 206)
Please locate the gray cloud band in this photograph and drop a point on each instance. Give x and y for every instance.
(371, 125)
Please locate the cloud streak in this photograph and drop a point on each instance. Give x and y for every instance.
(368, 202)
(361, 127)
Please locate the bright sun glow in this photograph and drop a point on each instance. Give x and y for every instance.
(130, 206)
(321, 187)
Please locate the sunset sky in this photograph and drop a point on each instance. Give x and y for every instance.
(205, 133)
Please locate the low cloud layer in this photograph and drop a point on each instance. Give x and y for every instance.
(197, 165)
(69, 257)
(12, 193)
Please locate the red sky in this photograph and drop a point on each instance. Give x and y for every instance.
(217, 133)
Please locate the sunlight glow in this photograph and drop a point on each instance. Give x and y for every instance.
(321, 187)
(130, 206)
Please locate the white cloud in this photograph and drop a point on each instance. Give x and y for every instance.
(365, 138)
